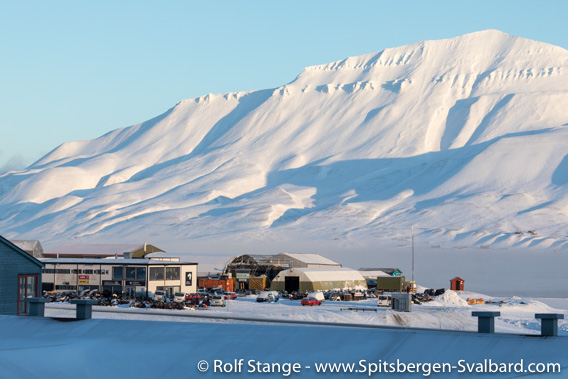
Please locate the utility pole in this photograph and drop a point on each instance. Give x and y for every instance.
(412, 229)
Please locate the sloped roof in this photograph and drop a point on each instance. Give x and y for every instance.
(95, 261)
(20, 251)
(388, 271)
(372, 274)
(28, 245)
(314, 259)
(100, 249)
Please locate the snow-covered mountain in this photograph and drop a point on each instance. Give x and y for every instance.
(466, 138)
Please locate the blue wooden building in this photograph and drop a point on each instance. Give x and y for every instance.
(20, 277)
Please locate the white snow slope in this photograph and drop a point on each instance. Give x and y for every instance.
(466, 138)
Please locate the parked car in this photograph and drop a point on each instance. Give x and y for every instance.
(310, 301)
(218, 301)
(335, 297)
(268, 297)
(179, 297)
(220, 292)
(384, 301)
(296, 295)
(160, 295)
(242, 292)
(231, 295)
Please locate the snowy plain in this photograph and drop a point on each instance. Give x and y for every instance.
(149, 343)
(448, 312)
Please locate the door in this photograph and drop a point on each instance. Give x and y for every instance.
(27, 287)
(130, 292)
(291, 283)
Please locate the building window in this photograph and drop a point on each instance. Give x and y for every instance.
(172, 273)
(117, 272)
(137, 273)
(140, 273)
(27, 287)
(112, 289)
(130, 273)
(156, 273)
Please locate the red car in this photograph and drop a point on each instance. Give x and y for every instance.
(310, 301)
(227, 295)
(231, 295)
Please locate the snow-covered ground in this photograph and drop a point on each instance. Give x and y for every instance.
(152, 344)
(449, 312)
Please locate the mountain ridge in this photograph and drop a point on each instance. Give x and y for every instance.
(346, 150)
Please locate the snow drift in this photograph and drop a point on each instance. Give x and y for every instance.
(464, 138)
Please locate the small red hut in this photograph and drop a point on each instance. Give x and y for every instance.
(456, 284)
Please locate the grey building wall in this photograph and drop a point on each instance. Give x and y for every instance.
(12, 264)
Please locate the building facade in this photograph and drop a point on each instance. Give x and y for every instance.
(130, 278)
(260, 270)
(20, 278)
(316, 279)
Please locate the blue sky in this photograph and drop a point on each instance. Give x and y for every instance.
(73, 70)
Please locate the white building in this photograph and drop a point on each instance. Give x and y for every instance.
(128, 277)
(315, 279)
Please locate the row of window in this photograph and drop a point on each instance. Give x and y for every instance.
(66, 288)
(171, 273)
(69, 271)
(128, 273)
(139, 273)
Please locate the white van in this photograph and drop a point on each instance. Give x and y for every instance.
(179, 297)
(159, 295)
(218, 301)
(384, 301)
(268, 297)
